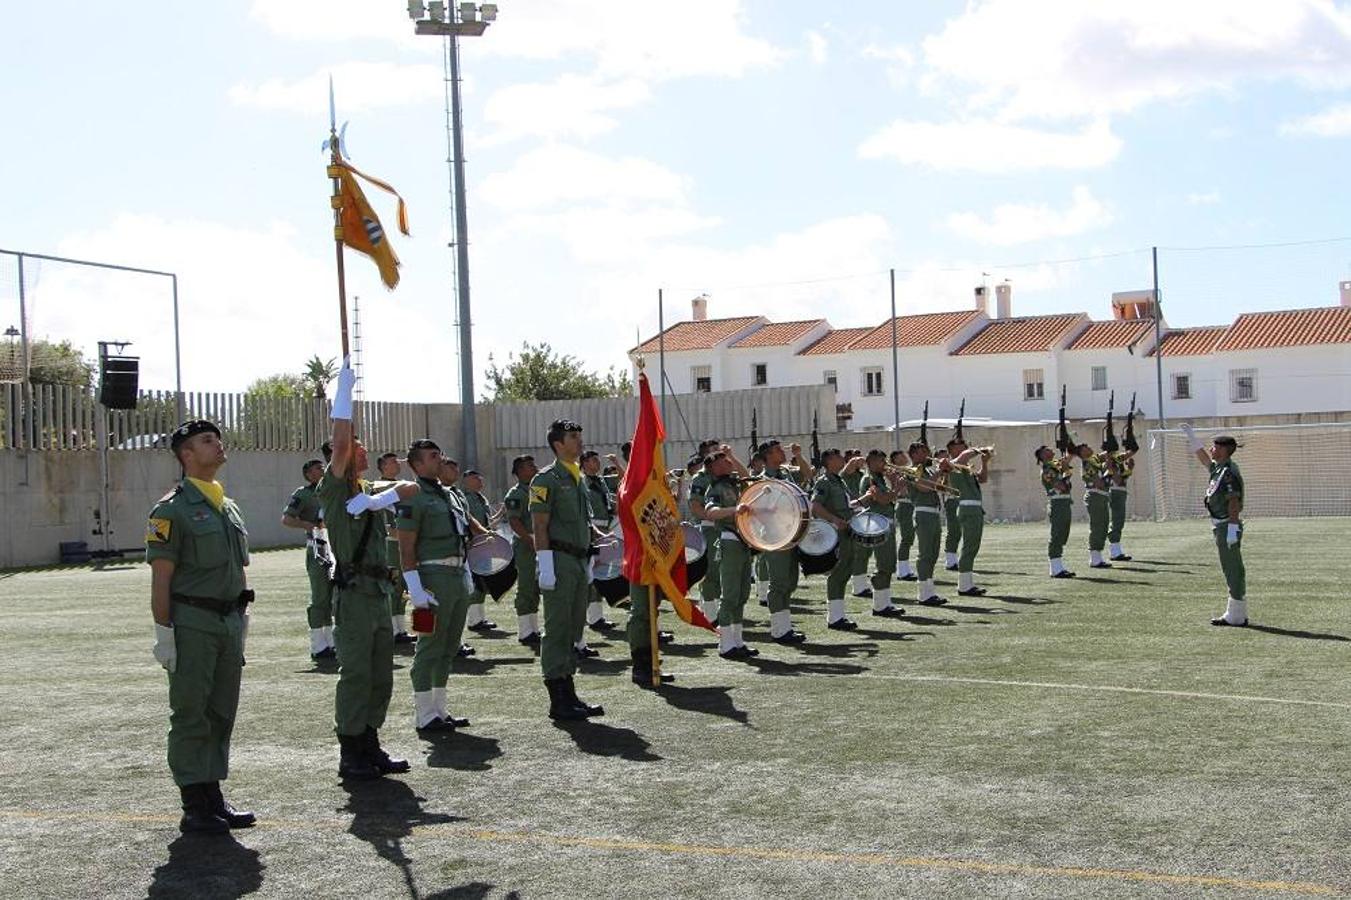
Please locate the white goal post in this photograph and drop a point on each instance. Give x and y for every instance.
(1288, 470)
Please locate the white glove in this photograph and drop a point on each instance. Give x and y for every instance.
(1232, 537)
(363, 502)
(342, 395)
(421, 597)
(547, 579)
(468, 582)
(166, 649)
(359, 504)
(1192, 440)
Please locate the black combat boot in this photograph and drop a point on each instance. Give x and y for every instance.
(586, 709)
(386, 764)
(235, 818)
(642, 669)
(198, 816)
(353, 762)
(561, 707)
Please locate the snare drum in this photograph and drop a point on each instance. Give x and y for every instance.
(777, 518)
(869, 529)
(492, 564)
(819, 549)
(607, 569)
(696, 554)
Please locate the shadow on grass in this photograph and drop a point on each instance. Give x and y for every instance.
(1306, 635)
(1098, 579)
(840, 651)
(597, 666)
(600, 739)
(926, 620)
(320, 667)
(712, 701)
(205, 865)
(779, 667)
(474, 890)
(1161, 562)
(688, 650)
(1027, 601)
(384, 812)
(474, 665)
(458, 750)
(890, 635)
(980, 610)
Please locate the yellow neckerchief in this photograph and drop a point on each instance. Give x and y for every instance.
(574, 469)
(213, 491)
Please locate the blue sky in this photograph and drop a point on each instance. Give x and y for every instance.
(780, 156)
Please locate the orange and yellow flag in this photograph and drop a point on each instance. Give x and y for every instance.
(361, 229)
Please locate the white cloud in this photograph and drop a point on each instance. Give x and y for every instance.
(1011, 224)
(1334, 121)
(560, 174)
(573, 106)
(1050, 59)
(1207, 198)
(818, 48)
(899, 60)
(358, 86)
(992, 147)
(338, 20)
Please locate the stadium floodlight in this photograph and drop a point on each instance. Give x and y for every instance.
(416, 9)
(436, 11)
(489, 12)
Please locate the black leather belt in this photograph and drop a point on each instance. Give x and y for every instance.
(572, 549)
(210, 604)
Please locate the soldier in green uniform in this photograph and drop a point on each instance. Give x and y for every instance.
(477, 506)
(859, 585)
(516, 507)
(197, 548)
(952, 541)
(603, 511)
(905, 520)
(721, 504)
(1056, 480)
(449, 476)
(561, 517)
(782, 565)
(304, 511)
(1224, 503)
(1120, 467)
(759, 565)
(388, 467)
(710, 589)
(832, 500)
(434, 530)
(639, 635)
(1095, 499)
(362, 629)
(970, 509)
(928, 524)
(877, 494)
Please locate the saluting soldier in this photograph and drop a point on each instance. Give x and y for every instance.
(722, 503)
(603, 512)
(877, 494)
(905, 520)
(1224, 503)
(952, 541)
(782, 565)
(477, 506)
(516, 507)
(1120, 467)
(832, 500)
(198, 548)
(1056, 480)
(970, 510)
(362, 631)
(1097, 503)
(928, 524)
(561, 516)
(434, 530)
(710, 588)
(305, 512)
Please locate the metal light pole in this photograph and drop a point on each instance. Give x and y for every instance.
(471, 20)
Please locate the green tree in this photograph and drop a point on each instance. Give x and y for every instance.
(539, 373)
(284, 384)
(318, 374)
(58, 363)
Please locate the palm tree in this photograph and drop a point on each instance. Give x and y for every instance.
(318, 374)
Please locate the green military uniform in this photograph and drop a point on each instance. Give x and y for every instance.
(362, 631)
(952, 543)
(1056, 482)
(971, 525)
(477, 506)
(710, 588)
(781, 567)
(603, 511)
(928, 531)
(305, 506)
(733, 557)
(833, 492)
(436, 516)
(1098, 505)
(555, 491)
(1226, 483)
(394, 586)
(884, 554)
(1119, 491)
(517, 507)
(905, 524)
(209, 548)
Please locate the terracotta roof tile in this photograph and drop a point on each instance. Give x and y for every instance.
(778, 334)
(1192, 341)
(1030, 334)
(703, 335)
(1111, 335)
(916, 331)
(837, 340)
(1289, 328)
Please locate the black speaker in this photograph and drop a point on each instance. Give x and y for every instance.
(118, 381)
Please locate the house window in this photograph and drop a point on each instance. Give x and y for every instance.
(831, 379)
(872, 382)
(1182, 386)
(1242, 385)
(1034, 384)
(702, 379)
(1099, 375)
(760, 374)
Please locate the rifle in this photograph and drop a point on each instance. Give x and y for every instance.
(1108, 436)
(1129, 442)
(961, 413)
(755, 440)
(924, 426)
(1063, 443)
(816, 443)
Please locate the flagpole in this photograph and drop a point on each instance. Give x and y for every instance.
(335, 161)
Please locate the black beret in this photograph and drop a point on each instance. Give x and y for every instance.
(190, 428)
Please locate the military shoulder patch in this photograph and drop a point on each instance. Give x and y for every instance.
(157, 531)
(539, 494)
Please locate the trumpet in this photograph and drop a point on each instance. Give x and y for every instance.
(914, 474)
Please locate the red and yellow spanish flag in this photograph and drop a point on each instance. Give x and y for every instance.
(654, 545)
(361, 229)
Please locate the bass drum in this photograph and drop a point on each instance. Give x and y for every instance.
(492, 564)
(776, 516)
(819, 549)
(696, 554)
(607, 569)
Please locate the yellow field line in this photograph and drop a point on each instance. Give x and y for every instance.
(754, 853)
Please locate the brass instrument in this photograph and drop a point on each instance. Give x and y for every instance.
(915, 474)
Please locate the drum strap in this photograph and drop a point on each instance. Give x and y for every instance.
(969, 503)
(454, 562)
(927, 509)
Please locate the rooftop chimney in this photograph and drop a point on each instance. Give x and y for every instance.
(982, 300)
(700, 308)
(1003, 300)
(1133, 305)
(1346, 293)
